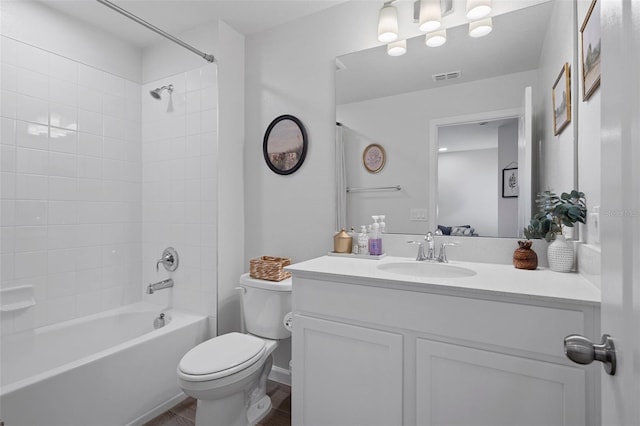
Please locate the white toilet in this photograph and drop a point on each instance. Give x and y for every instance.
(228, 374)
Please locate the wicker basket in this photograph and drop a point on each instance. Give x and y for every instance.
(269, 268)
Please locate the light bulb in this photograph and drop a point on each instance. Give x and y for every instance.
(397, 48)
(480, 28)
(430, 15)
(388, 24)
(436, 39)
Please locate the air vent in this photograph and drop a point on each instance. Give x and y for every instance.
(446, 76)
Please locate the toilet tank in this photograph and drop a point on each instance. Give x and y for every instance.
(264, 305)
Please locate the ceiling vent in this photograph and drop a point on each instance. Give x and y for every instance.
(446, 76)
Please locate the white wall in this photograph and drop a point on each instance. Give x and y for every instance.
(401, 125)
(469, 201)
(70, 178)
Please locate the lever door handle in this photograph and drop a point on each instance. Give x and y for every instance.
(581, 350)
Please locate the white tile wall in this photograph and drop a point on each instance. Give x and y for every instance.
(179, 187)
(71, 185)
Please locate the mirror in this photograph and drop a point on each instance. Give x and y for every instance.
(285, 145)
(404, 104)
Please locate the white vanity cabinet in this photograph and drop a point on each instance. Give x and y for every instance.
(372, 351)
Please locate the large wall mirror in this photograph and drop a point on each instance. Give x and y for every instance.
(451, 119)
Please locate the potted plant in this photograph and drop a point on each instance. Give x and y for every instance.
(554, 214)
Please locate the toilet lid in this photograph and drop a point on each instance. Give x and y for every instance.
(223, 355)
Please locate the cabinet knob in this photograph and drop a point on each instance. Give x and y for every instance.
(581, 350)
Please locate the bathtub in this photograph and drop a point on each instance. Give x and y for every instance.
(108, 369)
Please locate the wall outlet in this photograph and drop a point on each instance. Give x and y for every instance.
(418, 215)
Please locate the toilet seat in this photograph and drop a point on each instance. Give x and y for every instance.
(221, 356)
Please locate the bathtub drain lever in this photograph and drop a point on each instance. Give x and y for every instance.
(159, 322)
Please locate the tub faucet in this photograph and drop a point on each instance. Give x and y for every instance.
(151, 288)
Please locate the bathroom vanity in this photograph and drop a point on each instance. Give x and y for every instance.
(399, 342)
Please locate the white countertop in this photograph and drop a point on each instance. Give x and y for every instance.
(490, 279)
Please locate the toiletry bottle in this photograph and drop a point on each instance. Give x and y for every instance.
(375, 241)
(354, 241)
(383, 225)
(363, 241)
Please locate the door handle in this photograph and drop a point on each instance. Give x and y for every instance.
(581, 350)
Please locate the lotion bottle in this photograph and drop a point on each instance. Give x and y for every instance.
(363, 241)
(375, 241)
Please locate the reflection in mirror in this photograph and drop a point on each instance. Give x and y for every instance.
(397, 102)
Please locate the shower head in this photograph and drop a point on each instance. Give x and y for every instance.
(156, 93)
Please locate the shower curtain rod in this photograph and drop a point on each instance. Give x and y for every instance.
(153, 28)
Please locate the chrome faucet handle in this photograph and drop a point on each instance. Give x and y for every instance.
(169, 260)
(421, 256)
(442, 257)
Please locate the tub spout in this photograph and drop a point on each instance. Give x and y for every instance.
(151, 288)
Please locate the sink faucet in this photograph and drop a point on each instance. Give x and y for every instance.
(442, 257)
(151, 288)
(430, 255)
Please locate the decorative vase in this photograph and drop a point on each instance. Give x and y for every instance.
(560, 255)
(524, 257)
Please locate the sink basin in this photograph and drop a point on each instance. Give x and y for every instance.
(427, 269)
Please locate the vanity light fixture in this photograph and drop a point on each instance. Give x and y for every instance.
(397, 48)
(480, 28)
(388, 23)
(437, 38)
(478, 9)
(430, 15)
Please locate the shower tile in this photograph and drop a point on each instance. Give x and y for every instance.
(194, 81)
(31, 187)
(62, 140)
(113, 127)
(89, 190)
(9, 77)
(30, 238)
(115, 149)
(63, 189)
(61, 237)
(7, 158)
(63, 212)
(8, 50)
(33, 84)
(209, 120)
(89, 99)
(113, 84)
(31, 212)
(8, 103)
(193, 124)
(209, 143)
(61, 309)
(32, 161)
(59, 261)
(7, 131)
(90, 122)
(63, 92)
(88, 280)
(64, 165)
(7, 186)
(7, 269)
(192, 146)
(114, 106)
(87, 303)
(89, 144)
(193, 102)
(89, 77)
(210, 98)
(62, 68)
(7, 212)
(31, 135)
(89, 167)
(32, 109)
(30, 264)
(63, 116)
(32, 58)
(88, 235)
(7, 239)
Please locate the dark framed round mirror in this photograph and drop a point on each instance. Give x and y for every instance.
(285, 145)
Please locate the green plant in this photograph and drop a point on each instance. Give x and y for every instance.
(555, 213)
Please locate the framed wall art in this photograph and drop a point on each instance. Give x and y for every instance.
(510, 182)
(285, 145)
(590, 45)
(561, 100)
(374, 158)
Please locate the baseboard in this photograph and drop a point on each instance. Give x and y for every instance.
(158, 410)
(280, 375)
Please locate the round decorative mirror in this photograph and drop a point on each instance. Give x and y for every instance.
(285, 145)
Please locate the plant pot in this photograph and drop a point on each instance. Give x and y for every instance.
(560, 255)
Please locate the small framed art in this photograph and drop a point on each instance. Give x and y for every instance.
(561, 100)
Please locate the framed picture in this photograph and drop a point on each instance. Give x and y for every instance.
(510, 182)
(373, 158)
(561, 98)
(285, 145)
(590, 42)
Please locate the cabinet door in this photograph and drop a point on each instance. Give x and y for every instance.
(345, 374)
(458, 385)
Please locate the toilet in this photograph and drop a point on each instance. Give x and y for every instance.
(228, 374)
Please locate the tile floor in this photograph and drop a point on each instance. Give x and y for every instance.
(184, 414)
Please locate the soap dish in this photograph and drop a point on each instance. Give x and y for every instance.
(17, 298)
(358, 256)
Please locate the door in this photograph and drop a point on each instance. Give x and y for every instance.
(620, 212)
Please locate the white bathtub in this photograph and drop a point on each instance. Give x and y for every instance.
(110, 369)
